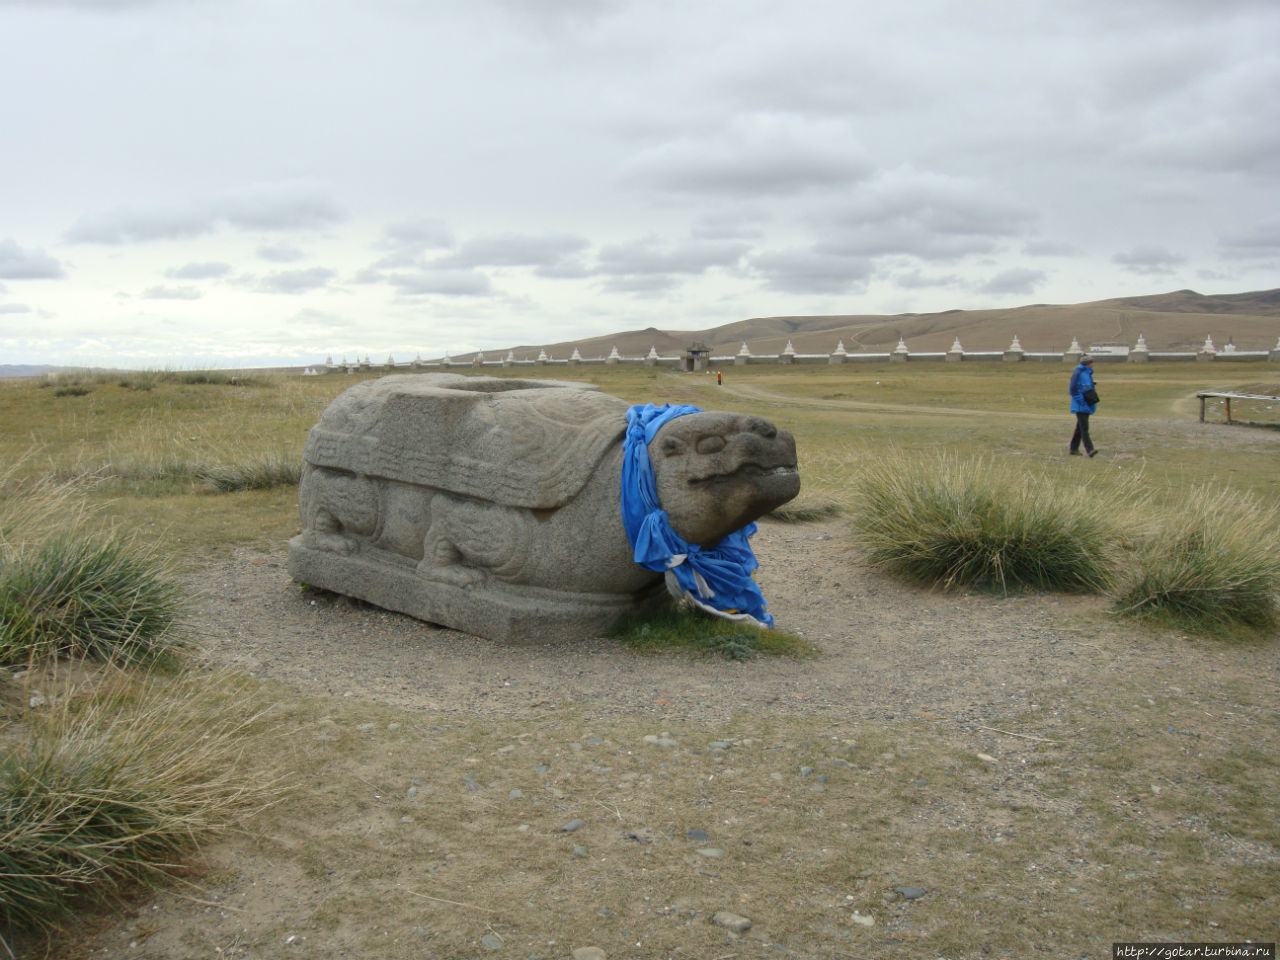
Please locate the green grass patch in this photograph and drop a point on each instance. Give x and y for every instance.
(70, 587)
(1212, 565)
(687, 630)
(952, 522)
(70, 597)
(216, 378)
(72, 390)
(255, 473)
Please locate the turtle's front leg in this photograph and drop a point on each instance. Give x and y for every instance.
(442, 558)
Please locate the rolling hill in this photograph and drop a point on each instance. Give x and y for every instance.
(1170, 322)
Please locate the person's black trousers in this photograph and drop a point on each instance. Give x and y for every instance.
(1082, 434)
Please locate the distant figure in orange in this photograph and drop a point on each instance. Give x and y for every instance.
(719, 379)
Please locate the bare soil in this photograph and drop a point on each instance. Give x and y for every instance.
(970, 666)
(886, 649)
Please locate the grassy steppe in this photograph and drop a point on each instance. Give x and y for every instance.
(1121, 811)
(146, 448)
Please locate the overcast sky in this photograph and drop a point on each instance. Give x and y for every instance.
(189, 183)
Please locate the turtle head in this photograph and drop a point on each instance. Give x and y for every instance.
(716, 472)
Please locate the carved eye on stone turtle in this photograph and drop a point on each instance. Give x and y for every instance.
(712, 443)
(672, 446)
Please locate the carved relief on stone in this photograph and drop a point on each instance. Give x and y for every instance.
(491, 505)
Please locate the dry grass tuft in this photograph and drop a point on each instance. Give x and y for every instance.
(71, 588)
(110, 782)
(952, 522)
(1211, 565)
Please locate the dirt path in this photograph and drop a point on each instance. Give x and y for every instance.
(749, 391)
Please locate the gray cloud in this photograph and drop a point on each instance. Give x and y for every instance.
(513, 250)
(648, 256)
(905, 237)
(644, 286)
(812, 271)
(1019, 280)
(769, 154)
(729, 225)
(405, 245)
(927, 216)
(1259, 240)
(445, 283)
(278, 206)
(416, 235)
(841, 76)
(865, 157)
(915, 280)
(557, 16)
(140, 226)
(14, 308)
(171, 293)
(17, 263)
(199, 271)
(935, 202)
(648, 268)
(295, 281)
(92, 6)
(280, 253)
(1049, 248)
(1149, 260)
(1216, 145)
(570, 268)
(288, 205)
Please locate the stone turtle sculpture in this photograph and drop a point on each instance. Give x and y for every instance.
(491, 505)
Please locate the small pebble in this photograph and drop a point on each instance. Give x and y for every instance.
(731, 921)
(588, 953)
(573, 825)
(491, 941)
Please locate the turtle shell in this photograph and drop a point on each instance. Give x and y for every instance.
(520, 443)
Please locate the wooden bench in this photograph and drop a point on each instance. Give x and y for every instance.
(1228, 397)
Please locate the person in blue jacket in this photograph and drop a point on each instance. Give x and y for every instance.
(1082, 380)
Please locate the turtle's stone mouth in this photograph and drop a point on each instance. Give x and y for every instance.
(752, 470)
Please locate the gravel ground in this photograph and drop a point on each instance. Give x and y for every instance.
(885, 648)
(973, 664)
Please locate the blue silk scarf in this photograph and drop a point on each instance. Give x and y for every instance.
(717, 580)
